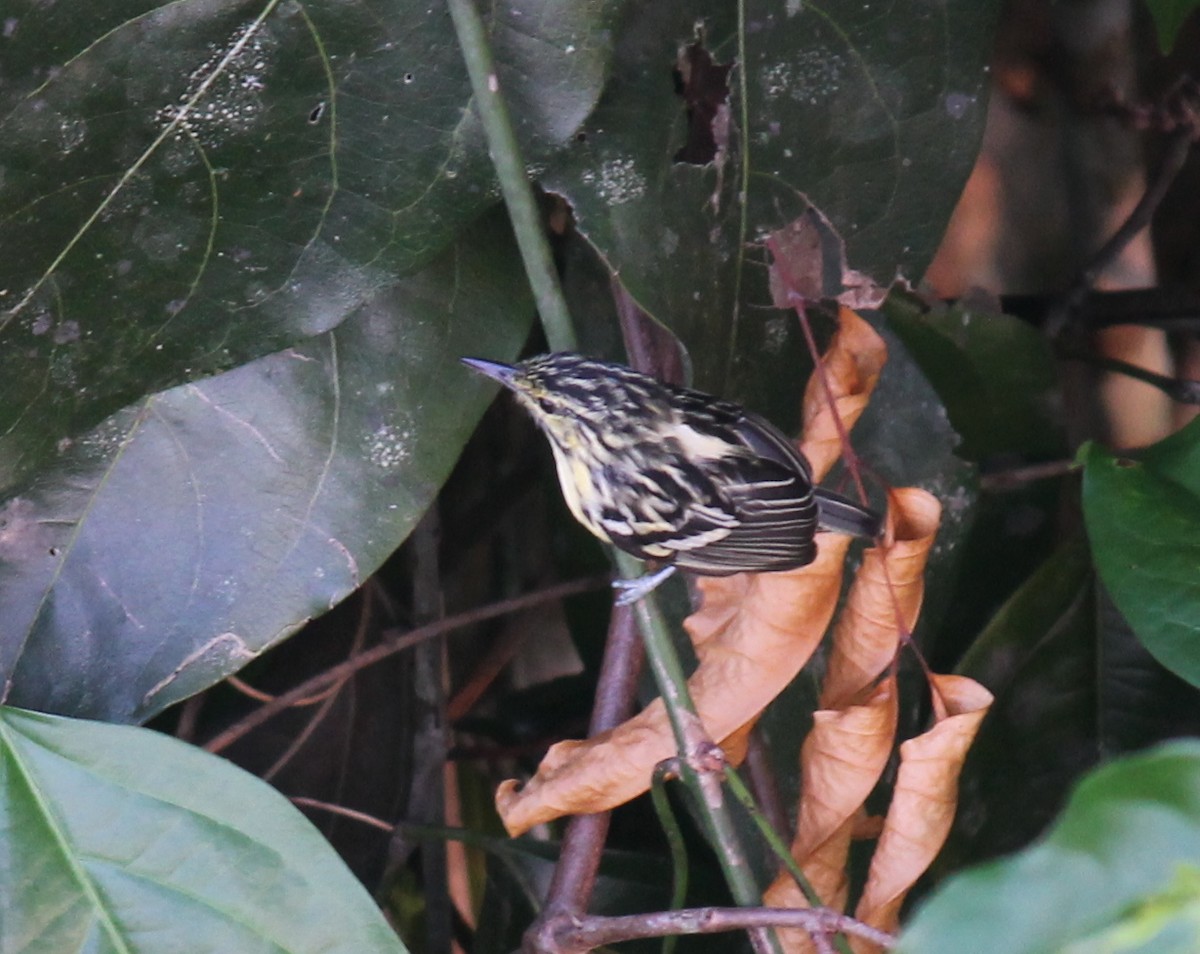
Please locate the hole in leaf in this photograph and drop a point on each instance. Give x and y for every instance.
(318, 111)
(704, 86)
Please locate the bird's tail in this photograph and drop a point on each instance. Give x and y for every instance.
(835, 512)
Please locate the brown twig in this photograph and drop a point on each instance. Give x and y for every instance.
(592, 932)
(377, 653)
(351, 813)
(1183, 390)
(583, 934)
(583, 843)
(1179, 144)
(1016, 477)
(258, 695)
(330, 695)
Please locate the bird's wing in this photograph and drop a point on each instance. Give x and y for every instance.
(665, 507)
(733, 496)
(776, 517)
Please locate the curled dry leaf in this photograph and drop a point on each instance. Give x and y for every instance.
(923, 803)
(759, 632)
(752, 635)
(812, 254)
(891, 579)
(852, 365)
(852, 737)
(840, 763)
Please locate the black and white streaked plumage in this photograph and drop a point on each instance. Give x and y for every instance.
(673, 475)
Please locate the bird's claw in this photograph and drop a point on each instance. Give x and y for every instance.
(630, 591)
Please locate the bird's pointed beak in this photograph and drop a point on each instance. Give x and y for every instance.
(493, 369)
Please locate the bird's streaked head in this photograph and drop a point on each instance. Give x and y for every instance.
(567, 392)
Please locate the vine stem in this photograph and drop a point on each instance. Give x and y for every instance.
(510, 171)
(701, 760)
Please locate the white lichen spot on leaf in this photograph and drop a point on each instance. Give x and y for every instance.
(617, 181)
(389, 446)
(225, 88)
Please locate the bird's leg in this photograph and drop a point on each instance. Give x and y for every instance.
(630, 591)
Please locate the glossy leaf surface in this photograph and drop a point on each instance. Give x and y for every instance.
(189, 532)
(115, 838)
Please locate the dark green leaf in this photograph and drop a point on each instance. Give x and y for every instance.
(1120, 871)
(114, 838)
(190, 186)
(995, 374)
(871, 113)
(1143, 520)
(187, 533)
(1169, 16)
(1071, 684)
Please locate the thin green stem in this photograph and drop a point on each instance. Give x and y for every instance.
(778, 846)
(522, 207)
(743, 196)
(678, 851)
(510, 171)
(694, 746)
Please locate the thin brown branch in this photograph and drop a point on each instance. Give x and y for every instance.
(583, 842)
(258, 695)
(351, 813)
(377, 653)
(591, 932)
(305, 734)
(1016, 477)
(1179, 145)
(1183, 390)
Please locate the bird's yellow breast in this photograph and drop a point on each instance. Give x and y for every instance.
(575, 478)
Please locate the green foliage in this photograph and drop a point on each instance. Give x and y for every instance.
(117, 838)
(1143, 519)
(165, 548)
(996, 374)
(1169, 16)
(868, 114)
(1120, 871)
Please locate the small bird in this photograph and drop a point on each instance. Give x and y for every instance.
(675, 476)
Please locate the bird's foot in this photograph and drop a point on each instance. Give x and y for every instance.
(630, 591)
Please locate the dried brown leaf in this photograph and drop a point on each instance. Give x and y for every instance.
(923, 803)
(811, 261)
(840, 763)
(852, 365)
(753, 634)
(890, 581)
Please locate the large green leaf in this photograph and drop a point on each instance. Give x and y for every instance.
(872, 112)
(188, 186)
(119, 839)
(995, 374)
(1072, 684)
(1169, 16)
(189, 532)
(1143, 520)
(1119, 872)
